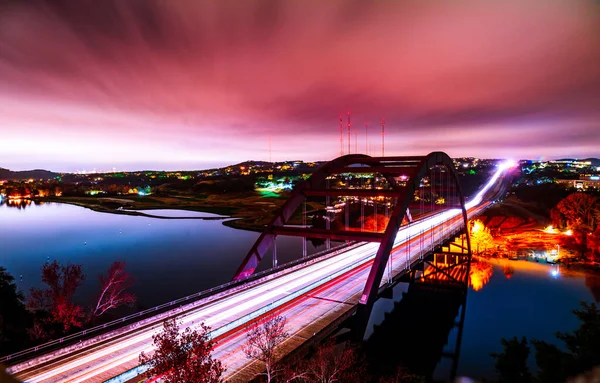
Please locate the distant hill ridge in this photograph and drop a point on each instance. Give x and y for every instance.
(6, 174)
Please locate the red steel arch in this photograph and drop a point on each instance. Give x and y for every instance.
(412, 168)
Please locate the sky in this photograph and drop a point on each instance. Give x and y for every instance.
(192, 84)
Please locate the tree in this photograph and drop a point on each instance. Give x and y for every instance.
(113, 286)
(578, 209)
(335, 363)
(581, 347)
(481, 239)
(263, 341)
(580, 212)
(511, 364)
(183, 357)
(554, 364)
(403, 376)
(57, 299)
(13, 315)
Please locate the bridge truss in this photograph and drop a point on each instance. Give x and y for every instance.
(358, 198)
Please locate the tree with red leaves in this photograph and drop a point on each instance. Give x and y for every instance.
(183, 357)
(113, 286)
(57, 299)
(580, 212)
(263, 340)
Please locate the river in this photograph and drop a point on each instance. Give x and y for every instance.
(171, 258)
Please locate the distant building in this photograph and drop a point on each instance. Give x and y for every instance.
(584, 182)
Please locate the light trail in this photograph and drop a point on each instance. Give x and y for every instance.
(232, 312)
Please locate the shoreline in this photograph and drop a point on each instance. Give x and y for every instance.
(229, 216)
(568, 269)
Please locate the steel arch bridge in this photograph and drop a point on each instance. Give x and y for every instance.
(405, 187)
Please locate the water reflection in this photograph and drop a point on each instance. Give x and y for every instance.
(184, 255)
(19, 203)
(592, 282)
(508, 271)
(416, 334)
(480, 274)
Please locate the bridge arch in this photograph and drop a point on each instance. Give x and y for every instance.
(404, 177)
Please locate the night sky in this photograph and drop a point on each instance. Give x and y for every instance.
(178, 84)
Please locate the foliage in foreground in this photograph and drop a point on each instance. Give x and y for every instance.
(183, 357)
(580, 353)
(14, 319)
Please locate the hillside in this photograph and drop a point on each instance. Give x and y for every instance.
(6, 174)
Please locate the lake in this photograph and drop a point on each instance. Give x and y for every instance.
(171, 258)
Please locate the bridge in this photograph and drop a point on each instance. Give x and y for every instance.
(381, 219)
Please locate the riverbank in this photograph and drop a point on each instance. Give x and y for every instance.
(250, 211)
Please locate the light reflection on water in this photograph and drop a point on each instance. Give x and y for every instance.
(506, 299)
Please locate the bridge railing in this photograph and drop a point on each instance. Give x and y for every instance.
(409, 259)
(161, 308)
(127, 375)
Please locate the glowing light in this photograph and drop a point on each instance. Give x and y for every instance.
(550, 230)
(568, 232)
(477, 227)
(508, 164)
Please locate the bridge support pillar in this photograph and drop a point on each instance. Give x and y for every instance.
(275, 252)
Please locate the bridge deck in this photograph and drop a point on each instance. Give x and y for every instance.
(311, 298)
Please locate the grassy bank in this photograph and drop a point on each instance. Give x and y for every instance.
(251, 210)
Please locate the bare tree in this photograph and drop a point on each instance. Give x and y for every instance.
(263, 340)
(183, 357)
(113, 286)
(335, 363)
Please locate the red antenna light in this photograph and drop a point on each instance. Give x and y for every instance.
(348, 132)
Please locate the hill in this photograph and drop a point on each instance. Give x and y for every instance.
(6, 174)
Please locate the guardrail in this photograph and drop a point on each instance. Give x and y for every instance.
(243, 320)
(165, 306)
(169, 305)
(129, 374)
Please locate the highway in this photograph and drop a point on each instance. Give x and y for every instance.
(302, 295)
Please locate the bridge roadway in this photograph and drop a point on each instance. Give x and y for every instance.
(310, 297)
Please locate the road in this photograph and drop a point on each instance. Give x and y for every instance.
(303, 296)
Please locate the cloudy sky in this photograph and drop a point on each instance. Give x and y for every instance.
(192, 84)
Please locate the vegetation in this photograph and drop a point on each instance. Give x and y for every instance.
(183, 357)
(326, 363)
(113, 289)
(14, 318)
(263, 341)
(580, 353)
(51, 311)
(580, 213)
(54, 305)
(481, 239)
